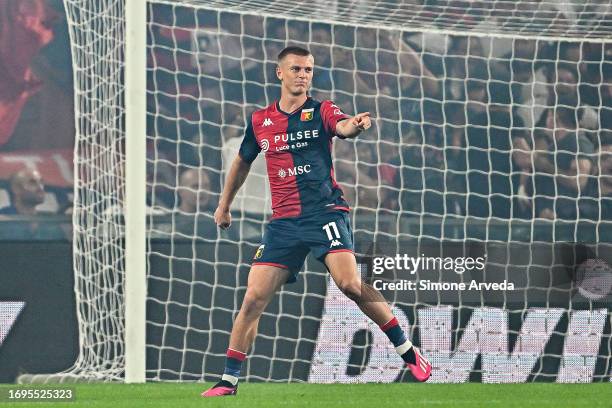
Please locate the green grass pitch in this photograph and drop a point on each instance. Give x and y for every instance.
(254, 395)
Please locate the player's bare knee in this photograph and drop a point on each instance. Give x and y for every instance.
(253, 304)
(351, 288)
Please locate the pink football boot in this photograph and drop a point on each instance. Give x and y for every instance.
(221, 389)
(422, 369)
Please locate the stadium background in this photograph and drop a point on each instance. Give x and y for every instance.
(458, 180)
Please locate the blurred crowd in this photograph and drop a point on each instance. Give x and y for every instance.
(522, 134)
(465, 125)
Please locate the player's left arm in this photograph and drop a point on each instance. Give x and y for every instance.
(351, 127)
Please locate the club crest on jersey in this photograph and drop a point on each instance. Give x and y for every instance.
(259, 252)
(307, 115)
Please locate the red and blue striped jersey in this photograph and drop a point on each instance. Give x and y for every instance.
(297, 148)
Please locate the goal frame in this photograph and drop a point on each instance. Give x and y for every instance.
(135, 190)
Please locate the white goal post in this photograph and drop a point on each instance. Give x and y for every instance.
(135, 188)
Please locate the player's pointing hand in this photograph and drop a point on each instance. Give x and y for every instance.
(353, 126)
(362, 121)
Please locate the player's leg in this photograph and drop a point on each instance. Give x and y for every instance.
(263, 283)
(331, 241)
(277, 261)
(342, 267)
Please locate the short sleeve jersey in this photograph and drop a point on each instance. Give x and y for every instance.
(297, 148)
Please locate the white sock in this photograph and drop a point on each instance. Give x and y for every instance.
(230, 378)
(401, 349)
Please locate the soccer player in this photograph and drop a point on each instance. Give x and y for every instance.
(309, 213)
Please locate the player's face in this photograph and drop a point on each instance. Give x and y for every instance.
(295, 72)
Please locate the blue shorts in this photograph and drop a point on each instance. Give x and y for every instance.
(287, 241)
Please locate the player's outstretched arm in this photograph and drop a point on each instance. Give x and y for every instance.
(235, 178)
(351, 127)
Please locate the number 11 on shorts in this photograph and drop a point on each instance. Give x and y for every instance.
(331, 227)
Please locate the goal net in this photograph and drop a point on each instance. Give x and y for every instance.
(491, 139)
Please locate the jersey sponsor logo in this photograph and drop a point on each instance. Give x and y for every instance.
(267, 122)
(259, 252)
(294, 171)
(307, 115)
(292, 146)
(295, 136)
(265, 145)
